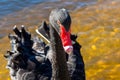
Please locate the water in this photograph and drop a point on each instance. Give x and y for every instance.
(10, 6)
(32, 12)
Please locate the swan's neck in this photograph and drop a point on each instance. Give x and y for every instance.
(59, 65)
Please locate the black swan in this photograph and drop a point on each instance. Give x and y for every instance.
(24, 65)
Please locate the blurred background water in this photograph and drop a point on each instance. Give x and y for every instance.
(15, 12)
(10, 6)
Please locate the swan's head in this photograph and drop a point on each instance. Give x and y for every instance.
(60, 16)
(61, 22)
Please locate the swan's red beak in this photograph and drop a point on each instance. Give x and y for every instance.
(66, 41)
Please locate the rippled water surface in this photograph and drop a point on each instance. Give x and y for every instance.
(32, 12)
(10, 6)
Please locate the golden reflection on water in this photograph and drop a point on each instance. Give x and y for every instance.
(98, 28)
